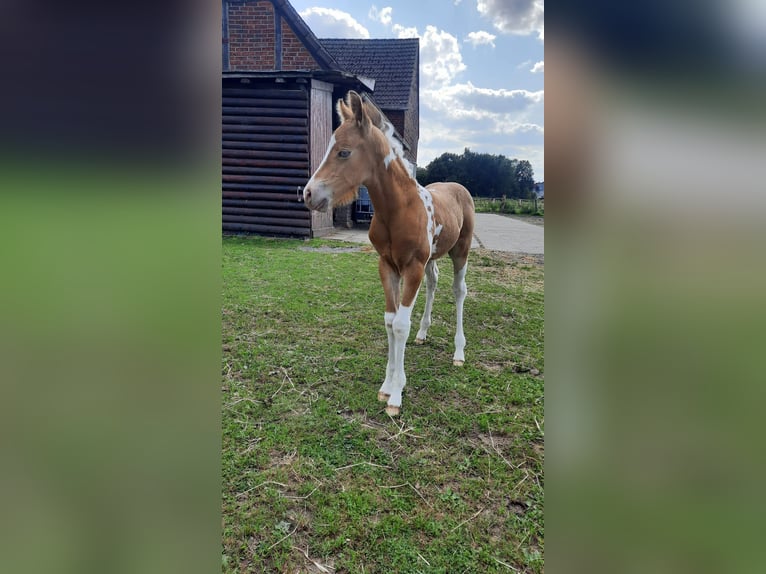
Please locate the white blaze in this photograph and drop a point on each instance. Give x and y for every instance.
(330, 145)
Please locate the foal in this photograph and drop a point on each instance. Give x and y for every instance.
(412, 226)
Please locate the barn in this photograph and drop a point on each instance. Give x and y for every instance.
(279, 86)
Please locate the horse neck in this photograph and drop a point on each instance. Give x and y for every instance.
(391, 188)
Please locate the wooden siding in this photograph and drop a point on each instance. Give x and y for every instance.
(321, 131)
(265, 158)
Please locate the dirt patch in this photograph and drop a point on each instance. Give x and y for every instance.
(509, 258)
(494, 441)
(282, 459)
(489, 258)
(497, 366)
(517, 507)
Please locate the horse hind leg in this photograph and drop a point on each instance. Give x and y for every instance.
(459, 288)
(432, 278)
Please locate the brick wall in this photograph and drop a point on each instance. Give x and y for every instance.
(252, 40)
(251, 36)
(406, 123)
(295, 56)
(397, 118)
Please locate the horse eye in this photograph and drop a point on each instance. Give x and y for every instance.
(344, 153)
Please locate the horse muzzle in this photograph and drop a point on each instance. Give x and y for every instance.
(316, 197)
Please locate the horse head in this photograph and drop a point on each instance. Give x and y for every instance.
(350, 158)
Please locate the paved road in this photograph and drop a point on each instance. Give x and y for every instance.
(491, 232)
(507, 234)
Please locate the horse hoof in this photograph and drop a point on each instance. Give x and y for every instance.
(392, 411)
(383, 397)
(419, 341)
(458, 363)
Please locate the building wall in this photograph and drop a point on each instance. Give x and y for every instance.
(397, 118)
(251, 35)
(295, 56)
(255, 43)
(406, 123)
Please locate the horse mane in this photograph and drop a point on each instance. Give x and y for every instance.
(382, 123)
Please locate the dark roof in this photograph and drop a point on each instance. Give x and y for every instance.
(392, 63)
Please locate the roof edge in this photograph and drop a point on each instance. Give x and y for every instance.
(347, 79)
(314, 46)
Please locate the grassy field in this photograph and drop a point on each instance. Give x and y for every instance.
(317, 478)
(509, 206)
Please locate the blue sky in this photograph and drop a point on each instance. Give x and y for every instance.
(481, 68)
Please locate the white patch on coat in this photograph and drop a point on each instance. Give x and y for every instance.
(396, 151)
(437, 232)
(389, 158)
(428, 204)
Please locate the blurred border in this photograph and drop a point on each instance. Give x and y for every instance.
(655, 282)
(110, 289)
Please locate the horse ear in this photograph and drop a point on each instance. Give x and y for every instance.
(360, 116)
(344, 112)
(373, 114)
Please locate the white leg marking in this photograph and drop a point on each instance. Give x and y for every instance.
(401, 328)
(459, 289)
(432, 277)
(386, 387)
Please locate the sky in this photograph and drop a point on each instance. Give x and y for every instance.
(481, 68)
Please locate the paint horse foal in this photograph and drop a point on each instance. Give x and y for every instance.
(412, 226)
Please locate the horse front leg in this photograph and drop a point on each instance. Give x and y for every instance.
(390, 281)
(401, 324)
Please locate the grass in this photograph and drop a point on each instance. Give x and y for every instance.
(510, 206)
(317, 478)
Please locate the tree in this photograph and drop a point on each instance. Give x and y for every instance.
(525, 178)
(484, 175)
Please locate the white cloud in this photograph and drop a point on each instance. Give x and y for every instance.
(522, 17)
(538, 68)
(480, 38)
(440, 58)
(331, 23)
(458, 98)
(402, 32)
(500, 121)
(383, 15)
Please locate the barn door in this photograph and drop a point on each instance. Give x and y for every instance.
(265, 158)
